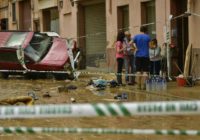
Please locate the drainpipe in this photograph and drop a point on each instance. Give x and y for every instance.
(168, 39)
(77, 26)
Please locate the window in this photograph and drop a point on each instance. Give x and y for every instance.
(148, 17)
(123, 17)
(13, 12)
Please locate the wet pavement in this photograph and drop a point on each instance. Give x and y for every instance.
(49, 91)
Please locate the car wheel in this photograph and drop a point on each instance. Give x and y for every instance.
(4, 75)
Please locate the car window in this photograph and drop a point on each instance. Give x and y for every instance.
(32, 53)
(16, 39)
(38, 47)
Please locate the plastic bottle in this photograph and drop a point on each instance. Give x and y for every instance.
(157, 84)
(148, 85)
(161, 85)
(124, 96)
(164, 84)
(153, 84)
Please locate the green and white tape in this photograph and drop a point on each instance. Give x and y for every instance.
(35, 130)
(81, 72)
(100, 109)
(102, 73)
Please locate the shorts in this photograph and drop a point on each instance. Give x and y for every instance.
(142, 64)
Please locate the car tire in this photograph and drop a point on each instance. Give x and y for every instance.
(4, 75)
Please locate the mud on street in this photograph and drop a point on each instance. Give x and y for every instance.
(50, 91)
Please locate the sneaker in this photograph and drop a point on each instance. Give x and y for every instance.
(33, 95)
(123, 96)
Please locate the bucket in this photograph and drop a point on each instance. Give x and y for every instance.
(181, 81)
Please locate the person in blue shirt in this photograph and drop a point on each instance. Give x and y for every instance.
(141, 42)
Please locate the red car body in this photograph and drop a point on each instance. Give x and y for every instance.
(41, 52)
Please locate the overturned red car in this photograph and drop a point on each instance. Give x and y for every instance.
(32, 53)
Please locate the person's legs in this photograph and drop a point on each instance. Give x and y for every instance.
(138, 72)
(132, 65)
(120, 62)
(157, 67)
(138, 79)
(164, 67)
(145, 68)
(126, 65)
(143, 80)
(151, 68)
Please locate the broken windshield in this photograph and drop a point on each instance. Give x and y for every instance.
(38, 46)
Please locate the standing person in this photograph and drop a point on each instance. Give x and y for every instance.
(141, 41)
(163, 54)
(119, 55)
(155, 57)
(129, 59)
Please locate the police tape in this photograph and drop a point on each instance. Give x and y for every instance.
(81, 72)
(66, 72)
(100, 109)
(33, 71)
(109, 73)
(124, 74)
(35, 130)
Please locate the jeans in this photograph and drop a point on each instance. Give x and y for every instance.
(129, 62)
(155, 67)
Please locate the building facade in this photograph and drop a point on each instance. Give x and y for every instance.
(4, 14)
(95, 23)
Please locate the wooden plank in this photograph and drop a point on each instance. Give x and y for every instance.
(187, 60)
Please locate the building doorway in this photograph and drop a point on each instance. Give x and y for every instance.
(95, 30)
(4, 24)
(179, 34)
(25, 15)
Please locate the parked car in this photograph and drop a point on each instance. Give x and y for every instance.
(32, 53)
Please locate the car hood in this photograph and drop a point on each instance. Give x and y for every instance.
(6, 40)
(57, 55)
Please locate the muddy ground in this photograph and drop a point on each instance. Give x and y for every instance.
(18, 86)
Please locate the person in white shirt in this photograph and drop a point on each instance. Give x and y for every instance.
(129, 59)
(155, 57)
